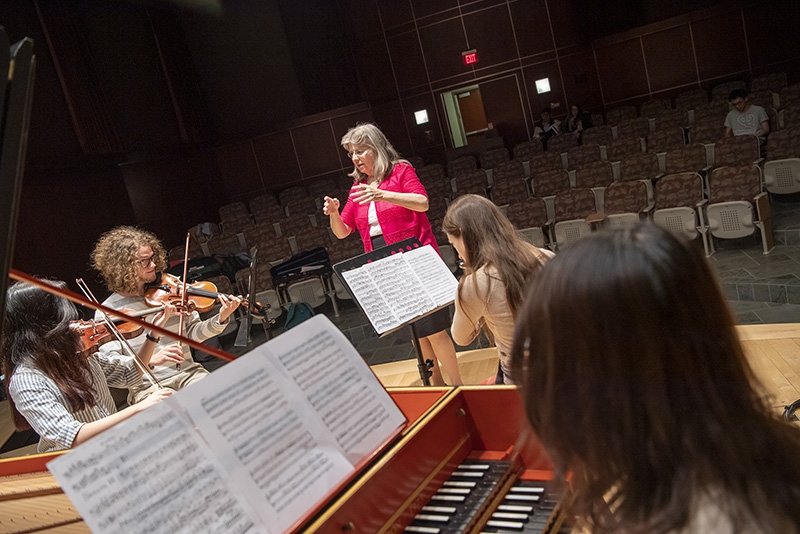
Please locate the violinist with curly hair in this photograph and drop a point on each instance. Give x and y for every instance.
(128, 259)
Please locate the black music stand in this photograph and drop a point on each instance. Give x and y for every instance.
(424, 366)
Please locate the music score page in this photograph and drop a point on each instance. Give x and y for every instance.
(397, 289)
(251, 448)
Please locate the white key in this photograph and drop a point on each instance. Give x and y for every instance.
(451, 498)
(525, 498)
(471, 474)
(459, 484)
(514, 508)
(475, 467)
(440, 509)
(423, 530)
(526, 489)
(433, 517)
(508, 515)
(454, 491)
(505, 524)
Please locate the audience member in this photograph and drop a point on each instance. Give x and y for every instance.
(497, 265)
(547, 127)
(53, 386)
(635, 382)
(387, 204)
(745, 118)
(128, 259)
(577, 121)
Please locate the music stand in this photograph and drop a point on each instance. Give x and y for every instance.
(424, 366)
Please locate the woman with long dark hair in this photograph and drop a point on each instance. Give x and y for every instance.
(497, 266)
(635, 382)
(53, 386)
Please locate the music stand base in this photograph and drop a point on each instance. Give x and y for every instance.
(423, 366)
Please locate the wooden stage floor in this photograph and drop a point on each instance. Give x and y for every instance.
(772, 349)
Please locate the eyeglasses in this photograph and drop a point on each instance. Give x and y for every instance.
(360, 153)
(145, 262)
(737, 103)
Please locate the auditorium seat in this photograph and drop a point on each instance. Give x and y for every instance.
(679, 197)
(572, 207)
(461, 165)
(546, 184)
(581, 155)
(489, 159)
(509, 183)
(782, 165)
(290, 193)
(737, 206)
(660, 141)
(436, 184)
(473, 182)
(529, 217)
(626, 203)
(723, 90)
(601, 135)
(618, 114)
(737, 150)
(652, 107)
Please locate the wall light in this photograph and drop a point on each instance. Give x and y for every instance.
(543, 85)
(421, 116)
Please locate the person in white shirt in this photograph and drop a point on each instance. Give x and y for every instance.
(745, 118)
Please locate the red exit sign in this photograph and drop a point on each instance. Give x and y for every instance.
(469, 57)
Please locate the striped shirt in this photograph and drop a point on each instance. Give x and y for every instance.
(45, 407)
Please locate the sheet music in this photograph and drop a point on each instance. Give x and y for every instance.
(434, 274)
(399, 288)
(372, 302)
(253, 447)
(340, 387)
(152, 474)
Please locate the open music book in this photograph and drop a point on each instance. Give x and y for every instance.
(396, 289)
(257, 446)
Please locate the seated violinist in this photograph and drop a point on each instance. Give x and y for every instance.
(56, 386)
(128, 259)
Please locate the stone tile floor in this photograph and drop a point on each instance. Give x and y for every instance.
(760, 289)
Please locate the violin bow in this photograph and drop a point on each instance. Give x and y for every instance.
(113, 328)
(183, 290)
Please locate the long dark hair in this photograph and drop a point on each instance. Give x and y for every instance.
(491, 240)
(635, 381)
(36, 332)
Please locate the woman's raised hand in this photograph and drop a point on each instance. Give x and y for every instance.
(330, 205)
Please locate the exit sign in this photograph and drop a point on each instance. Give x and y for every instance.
(469, 57)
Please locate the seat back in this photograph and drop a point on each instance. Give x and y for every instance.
(233, 210)
(529, 216)
(594, 174)
(577, 203)
(734, 183)
(707, 131)
(436, 183)
(686, 158)
(471, 182)
(322, 187)
(547, 183)
(715, 109)
(723, 90)
(625, 197)
(290, 193)
(671, 118)
(616, 115)
(663, 140)
(783, 144)
(301, 206)
(311, 237)
(737, 150)
(461, 165)
(508, 190)
(581, 155)
(622, 147)
(490, 159)
(679, 190)
(654, 106)
(416, 162)
(641, 166)
(770, 81)
(790, 95)
(548, 161)
(638, 127)
(526, 150)
(561, 143)
(600, 135)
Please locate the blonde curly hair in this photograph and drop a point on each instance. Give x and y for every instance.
(115, 255)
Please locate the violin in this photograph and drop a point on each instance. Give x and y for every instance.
(200, 295)
(95, 333)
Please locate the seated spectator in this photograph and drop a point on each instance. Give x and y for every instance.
(635, 382)
(547, 127)
(745, 118)
(577, 121)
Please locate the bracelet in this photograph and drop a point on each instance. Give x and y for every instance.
(152, 338)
